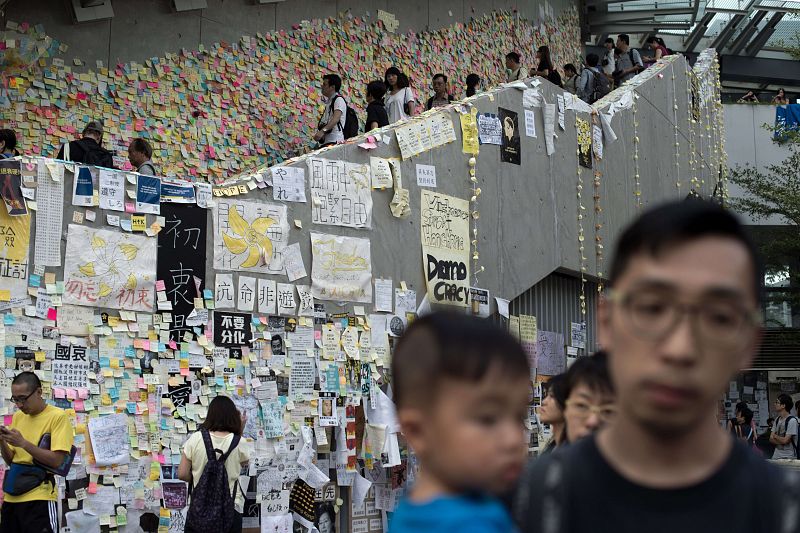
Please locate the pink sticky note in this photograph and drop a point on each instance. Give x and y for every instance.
(130, 207)
(78, 405)
(71, 394)
(92, 489)
(173, 345)
(83, 394)
(58, 392)
(160, 286)
(184, 371)
(160, 458)
(52, 314)
(140, 383)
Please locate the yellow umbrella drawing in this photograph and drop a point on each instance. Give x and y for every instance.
(250, 238)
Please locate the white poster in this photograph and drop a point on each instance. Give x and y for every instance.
(381, 173)
(340, 193)
(110, 440)
(49, 217)
(246, 293)
(112, 190)
(266, 296)
(104, 268)
(287, 304)
(289, 184)
(70, 367)
(250, 236)
(341, 268)
(224, 295)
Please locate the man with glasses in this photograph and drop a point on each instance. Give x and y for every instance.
(784, 431)
(590, 397)
(679, 320)
(34, 510)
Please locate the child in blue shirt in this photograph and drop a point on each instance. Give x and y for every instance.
(461, 386)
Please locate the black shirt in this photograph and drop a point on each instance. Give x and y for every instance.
(745, 495)
(87, 151)
(376, 112)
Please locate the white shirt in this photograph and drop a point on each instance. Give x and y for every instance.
(609, 69)
(395, 103)
(337, 133)
(785, 451)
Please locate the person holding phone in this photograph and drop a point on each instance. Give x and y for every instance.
(29, 502)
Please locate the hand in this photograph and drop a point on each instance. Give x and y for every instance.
(13, 437)
(319, 135)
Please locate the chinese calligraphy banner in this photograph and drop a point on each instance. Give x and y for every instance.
(105, 268)
(250, 236)
(182, 260)
(340, 193)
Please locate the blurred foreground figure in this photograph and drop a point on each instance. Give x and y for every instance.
(461, 387)
(680, 319)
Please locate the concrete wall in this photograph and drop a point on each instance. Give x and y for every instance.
(142, 29)
(748, 143)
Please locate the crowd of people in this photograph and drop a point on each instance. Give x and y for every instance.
(750, 97)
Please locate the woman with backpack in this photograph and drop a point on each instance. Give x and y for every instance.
(211, 462)
(401, 102)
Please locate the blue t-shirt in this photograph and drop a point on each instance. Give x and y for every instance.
(462, 514)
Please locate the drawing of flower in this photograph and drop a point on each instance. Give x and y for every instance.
(251, 238)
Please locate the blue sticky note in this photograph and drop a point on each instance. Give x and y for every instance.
(207, 294)
(9, 320)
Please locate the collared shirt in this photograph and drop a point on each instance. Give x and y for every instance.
(611, 63)
(435, 101)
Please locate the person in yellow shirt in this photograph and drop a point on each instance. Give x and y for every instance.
(32, 511)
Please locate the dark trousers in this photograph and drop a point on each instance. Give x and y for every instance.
(38, 516)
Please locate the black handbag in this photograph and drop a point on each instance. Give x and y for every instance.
(23, 478)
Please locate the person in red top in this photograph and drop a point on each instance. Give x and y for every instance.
(657, 47)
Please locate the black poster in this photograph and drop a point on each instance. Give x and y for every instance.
(10, 181)
(232, 329)
(182, 260)
(510, 151)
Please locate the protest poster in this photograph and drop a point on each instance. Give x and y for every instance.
(250, 236)
(444, 233)
(110, 441)
(341, 268)
(232, 329)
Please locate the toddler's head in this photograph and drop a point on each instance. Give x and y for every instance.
(461, 385)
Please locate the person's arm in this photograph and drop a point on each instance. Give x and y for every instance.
(412, 108)
(659, 53)
(8, 453)
(47, 457)
(335, 116)
(185, 469)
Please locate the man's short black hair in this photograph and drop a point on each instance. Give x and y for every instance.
(440, 75)
(10, 138)
(625, 38)
(591, 371)
(677, 223)
(786, 401)
(376, 89)
(334, 81)
(592, 60)
(570, 66)
(27, 378)
(449, 345)
(610, 40)
(513, 56)
(747, 414)
(142, 146)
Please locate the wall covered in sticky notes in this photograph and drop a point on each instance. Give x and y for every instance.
(219, 109)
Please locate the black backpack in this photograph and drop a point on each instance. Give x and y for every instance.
(601, 86)
(350, 129)
(96, 155)
(211, 507)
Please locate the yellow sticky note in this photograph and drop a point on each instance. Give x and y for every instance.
(138, 222)
(5, 295)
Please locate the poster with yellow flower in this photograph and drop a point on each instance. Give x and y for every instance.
(104, 268)
(250, 236)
